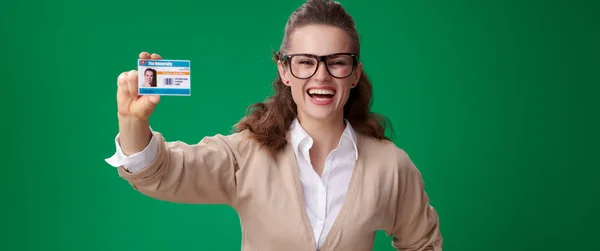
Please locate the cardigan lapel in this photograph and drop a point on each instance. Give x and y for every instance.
(290, 157)
(349, 200)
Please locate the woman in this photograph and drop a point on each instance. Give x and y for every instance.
(150, 78)
(309, 169)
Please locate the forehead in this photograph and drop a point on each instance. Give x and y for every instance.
(319, 40)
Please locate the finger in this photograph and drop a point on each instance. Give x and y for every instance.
(132, 83)
(122, 80)
(154, 99)
(144, 55)
(122, 83)
(150, 102)
(155, 56)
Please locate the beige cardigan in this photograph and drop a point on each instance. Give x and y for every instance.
(386, 192)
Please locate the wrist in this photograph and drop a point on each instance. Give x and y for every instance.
(134, 133)
(131, 120)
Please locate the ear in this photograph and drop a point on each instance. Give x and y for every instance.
(283, 73)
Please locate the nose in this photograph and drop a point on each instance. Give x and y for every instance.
(321, 73)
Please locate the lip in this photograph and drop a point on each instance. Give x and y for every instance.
(321, 102)
(321, 87)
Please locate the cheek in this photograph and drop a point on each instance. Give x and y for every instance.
(343, 99)
(296, 88)
(346, 88)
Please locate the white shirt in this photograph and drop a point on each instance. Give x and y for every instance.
(323, 195)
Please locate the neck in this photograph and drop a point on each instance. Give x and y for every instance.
(325, 133)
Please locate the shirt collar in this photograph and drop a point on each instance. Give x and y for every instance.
(299, 136)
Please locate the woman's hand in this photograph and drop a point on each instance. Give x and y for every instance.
(134, 111)
(130, 104)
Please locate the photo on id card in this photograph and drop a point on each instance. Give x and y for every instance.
(164, 77)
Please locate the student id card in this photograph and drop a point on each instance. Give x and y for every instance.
(164, 77)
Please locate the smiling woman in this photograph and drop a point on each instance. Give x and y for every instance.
(309, 169)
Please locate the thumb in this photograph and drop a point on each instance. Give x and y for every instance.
(148, 103)
(144, 106)
(154, 99)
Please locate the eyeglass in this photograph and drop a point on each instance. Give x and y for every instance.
(339, 65)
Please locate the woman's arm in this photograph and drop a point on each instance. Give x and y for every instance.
(416, 225)
(202, 173)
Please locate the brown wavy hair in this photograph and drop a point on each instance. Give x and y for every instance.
(270, 120)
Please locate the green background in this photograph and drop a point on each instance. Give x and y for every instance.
(495, 101)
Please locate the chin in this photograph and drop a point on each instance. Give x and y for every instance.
(321, 115)
(323, 112)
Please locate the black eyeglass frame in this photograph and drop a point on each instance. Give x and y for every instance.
(288, 58)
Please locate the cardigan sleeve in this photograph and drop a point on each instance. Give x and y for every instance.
(416, 224)
(201, 173)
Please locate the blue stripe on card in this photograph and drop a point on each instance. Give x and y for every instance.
(164, 91)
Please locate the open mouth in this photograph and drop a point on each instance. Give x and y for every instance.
(323, 94)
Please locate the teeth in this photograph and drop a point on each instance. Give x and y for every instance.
(321, 91)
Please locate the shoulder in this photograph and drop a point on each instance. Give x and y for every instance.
(385, 152)
(240, 143)
(246, 150)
